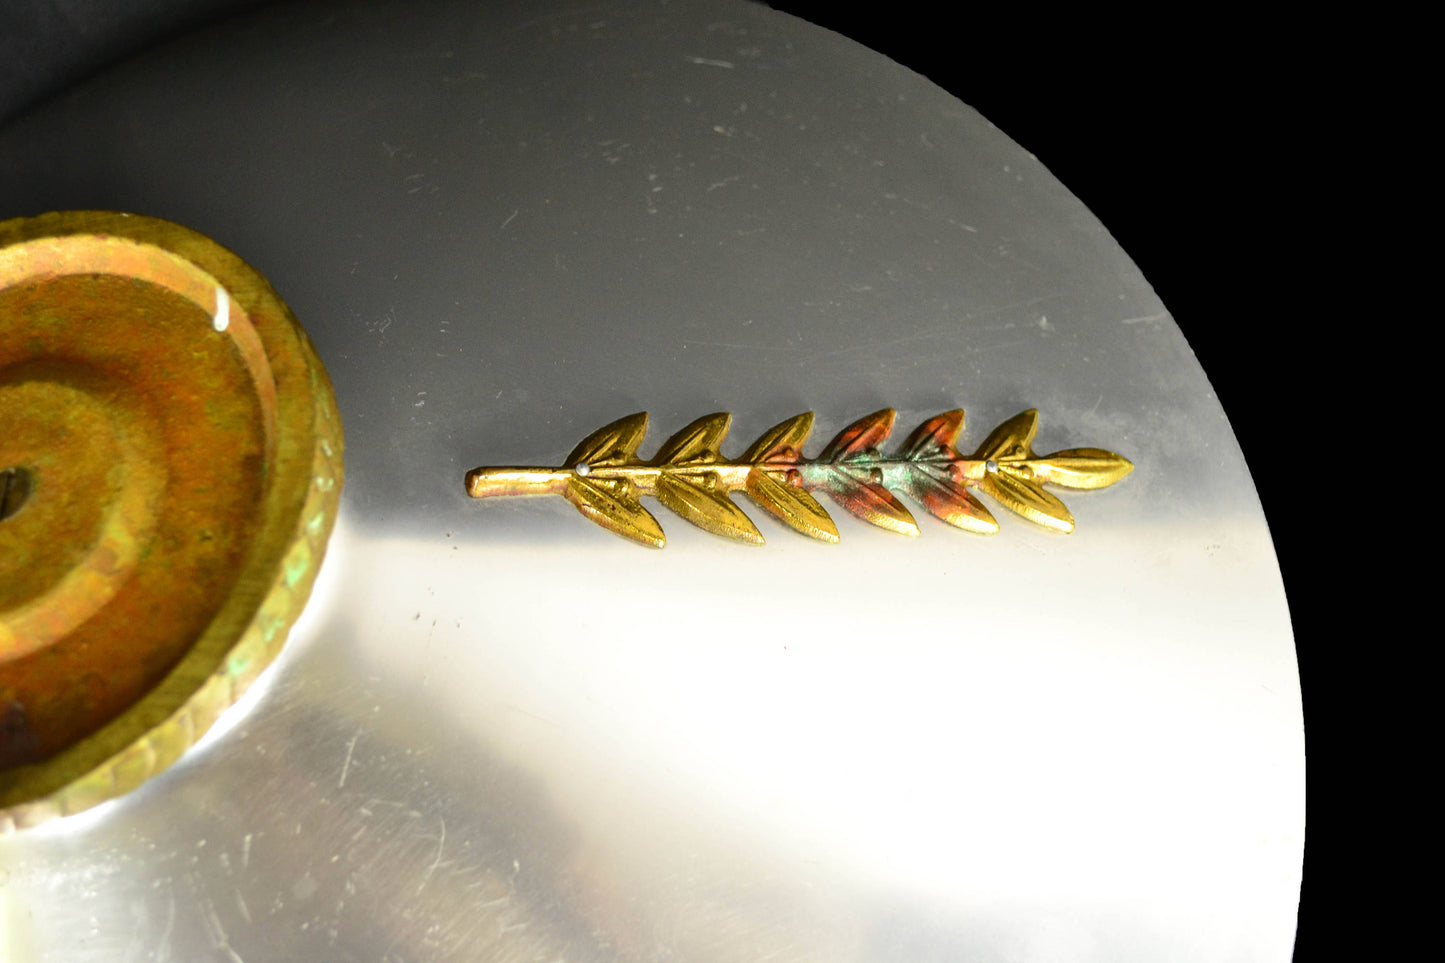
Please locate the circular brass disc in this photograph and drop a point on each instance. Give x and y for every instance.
(169, 473)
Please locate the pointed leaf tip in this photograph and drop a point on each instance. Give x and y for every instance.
(613, 444)
(871, 502)
(937, 433)
(708, 510)
(1026, 498)
(792, 506)
(616, 508)
(695, 442)
(867, 432)
(1012, 439)
(1082, 468)
(952, 503)
(782, 442)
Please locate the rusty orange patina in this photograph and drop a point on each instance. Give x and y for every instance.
(144, 443)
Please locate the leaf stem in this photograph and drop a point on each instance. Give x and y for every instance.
(729, 476)
(499, 482)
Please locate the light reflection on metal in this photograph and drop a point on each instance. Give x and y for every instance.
(605, 478)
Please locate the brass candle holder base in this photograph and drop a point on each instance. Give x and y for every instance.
(170, 468)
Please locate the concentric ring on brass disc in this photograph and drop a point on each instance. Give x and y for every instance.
(171, 466)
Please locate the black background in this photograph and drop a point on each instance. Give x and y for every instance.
(1193, 141)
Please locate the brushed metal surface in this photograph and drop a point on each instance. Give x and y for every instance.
(503, 226)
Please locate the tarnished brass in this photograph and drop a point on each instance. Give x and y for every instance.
(171, 459)
(605, 478)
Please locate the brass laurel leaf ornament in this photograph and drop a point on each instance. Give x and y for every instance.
(605, 478)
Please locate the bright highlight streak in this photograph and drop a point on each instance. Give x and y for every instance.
(222, 318)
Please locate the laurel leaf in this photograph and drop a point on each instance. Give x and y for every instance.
(952, 502)
(1082, 468)
(614, 506)
(1010, 440)
(936, 436)
(614, 444)
(1029, 500)
(867, 432)
(871, 502)
(782, 442)
(696, 442)
(793, 506)
(706, 509)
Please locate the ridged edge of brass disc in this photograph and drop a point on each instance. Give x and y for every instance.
(300, 505)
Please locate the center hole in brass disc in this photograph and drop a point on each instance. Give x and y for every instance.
(14, 490)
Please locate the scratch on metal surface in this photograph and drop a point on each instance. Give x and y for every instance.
(246, 852)
(508, 220)
(1000, 345)
(214, 930)
(705, 62)
(1148, 317)
(346, 765)
(137, 936)
(724, 344)
(217, 933)
(163, 948)
(366, 810)
(241, 905)
(436, 860)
